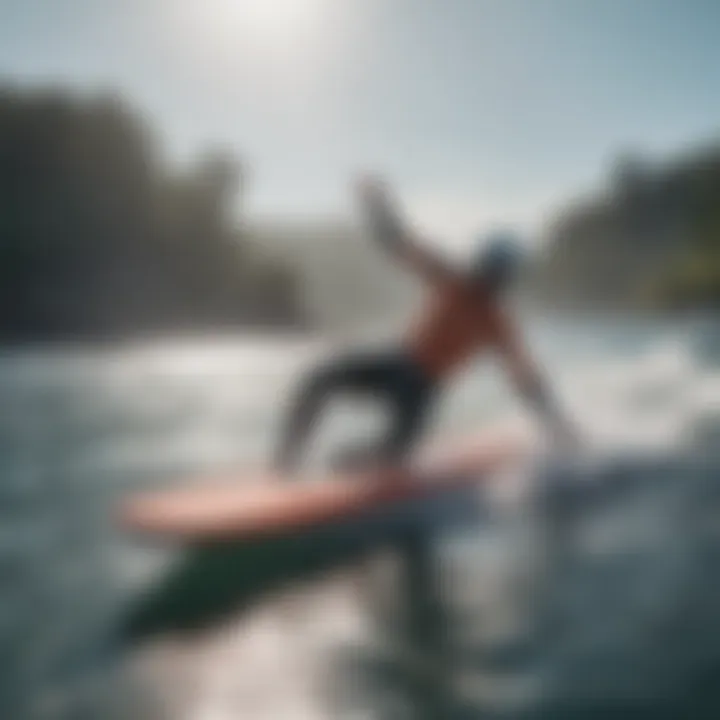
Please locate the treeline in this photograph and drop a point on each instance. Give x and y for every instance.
(652, 241)
(100, 239)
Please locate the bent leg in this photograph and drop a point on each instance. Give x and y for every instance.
(411, 408)
(302, 417)
(353, 372)
(409, 399)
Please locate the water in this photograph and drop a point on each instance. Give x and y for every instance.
(79, 429)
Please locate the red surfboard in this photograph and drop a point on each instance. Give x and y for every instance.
(252, 504)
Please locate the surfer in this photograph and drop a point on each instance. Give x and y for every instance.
(464, 317)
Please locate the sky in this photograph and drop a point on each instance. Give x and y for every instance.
(480, 112)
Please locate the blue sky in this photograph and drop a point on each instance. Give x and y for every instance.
(480, 111)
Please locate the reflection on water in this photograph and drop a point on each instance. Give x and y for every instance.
(625, 620)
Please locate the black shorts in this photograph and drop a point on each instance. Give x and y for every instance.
(393, 378)
(390, 376)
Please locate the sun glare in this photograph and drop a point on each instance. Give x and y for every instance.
(269, 16)
(284, 49)
(271, 24)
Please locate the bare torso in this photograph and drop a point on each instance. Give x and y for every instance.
(458, 321)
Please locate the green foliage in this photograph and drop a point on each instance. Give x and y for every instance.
(652, 242)
(99, 239)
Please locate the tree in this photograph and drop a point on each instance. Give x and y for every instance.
(96, 237)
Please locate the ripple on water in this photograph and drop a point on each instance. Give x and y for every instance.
(79, 429)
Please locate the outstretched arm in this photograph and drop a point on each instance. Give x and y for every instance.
(531, 385)
(387, 229)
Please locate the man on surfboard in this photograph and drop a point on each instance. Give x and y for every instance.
(464, 316)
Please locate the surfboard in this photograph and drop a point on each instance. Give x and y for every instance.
(249, 505)
(249, 533)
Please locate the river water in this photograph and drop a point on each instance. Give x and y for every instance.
(79, 428)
